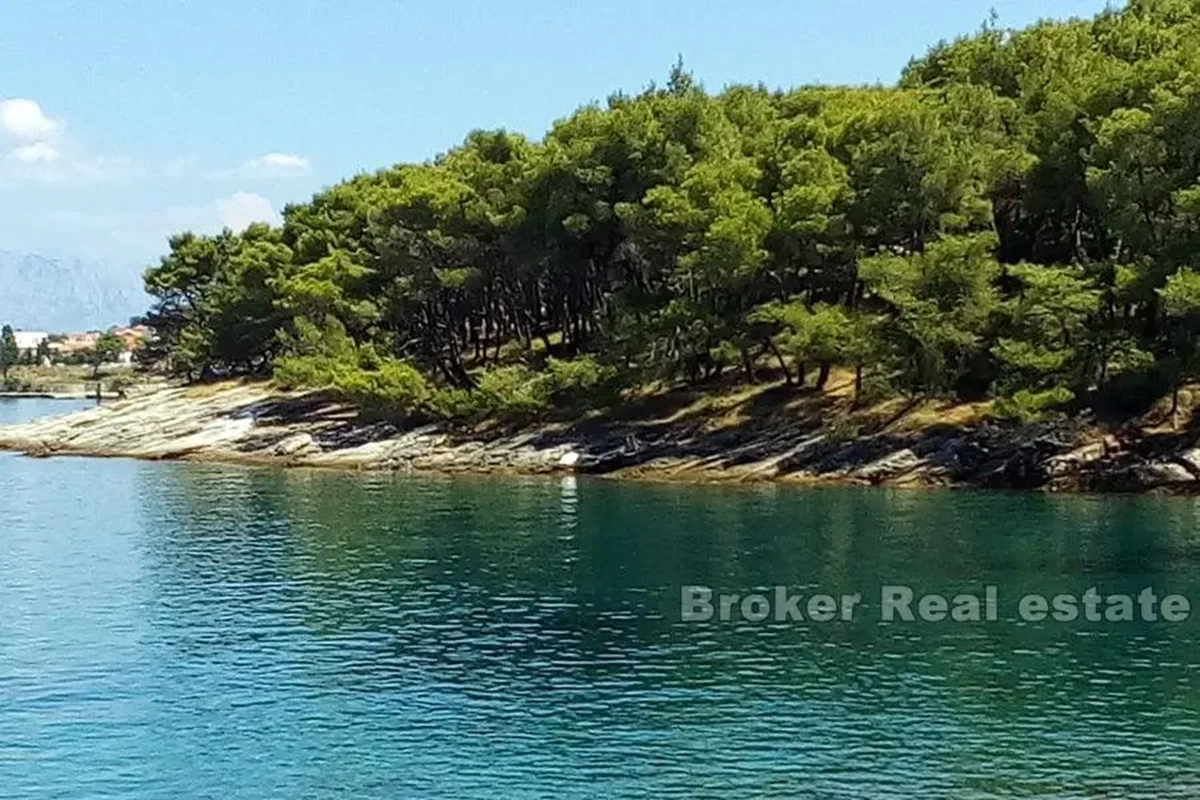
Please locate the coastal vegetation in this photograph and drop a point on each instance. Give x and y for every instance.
(68, 364)
(10, 353)
(76, 381)
(1015, 221)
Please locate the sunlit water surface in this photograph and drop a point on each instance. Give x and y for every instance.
(183, 630)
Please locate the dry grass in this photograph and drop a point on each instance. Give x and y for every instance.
(1159, 420)
(200, 391)
(733, 403)
(930, 413)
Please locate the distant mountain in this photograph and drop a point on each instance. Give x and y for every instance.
(46, 294)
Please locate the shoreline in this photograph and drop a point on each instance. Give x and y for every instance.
(254, 424)
(56, 396)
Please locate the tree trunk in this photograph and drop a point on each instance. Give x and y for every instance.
(787, 373)
(823, 375)
(747, 365)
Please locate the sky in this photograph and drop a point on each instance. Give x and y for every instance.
(121, 121)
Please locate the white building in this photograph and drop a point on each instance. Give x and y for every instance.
(29, 340)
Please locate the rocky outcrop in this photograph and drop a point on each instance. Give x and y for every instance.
(251, 422)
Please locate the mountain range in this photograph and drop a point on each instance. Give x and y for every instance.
(63, 295)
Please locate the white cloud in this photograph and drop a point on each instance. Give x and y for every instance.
(46, 164)
(34, 137)
(289, 163)
(270, 165)
(240, 209)
(38, 152)
(25, 120)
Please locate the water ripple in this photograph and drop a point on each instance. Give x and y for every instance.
(197, 631)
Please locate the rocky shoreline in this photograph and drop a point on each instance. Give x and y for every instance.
(253, 423)
(77, 395)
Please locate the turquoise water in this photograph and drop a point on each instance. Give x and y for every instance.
(176, 630)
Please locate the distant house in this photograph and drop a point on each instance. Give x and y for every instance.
(29, 341)
(134, 336)
(74, 343)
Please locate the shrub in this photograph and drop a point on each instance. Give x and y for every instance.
(513, 352)
(394, 388)
(387, 387)
(1028, 406)
(875, 389)
(581, 382)
(303, 372)
(513, 393)
(456, 404)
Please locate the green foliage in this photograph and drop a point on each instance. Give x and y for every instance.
(106, 350)
(1181, 297)
(942, 303)
(518, 394)
(388, 387)
(820, 334)
(1181, 301)
(875, 389)
(10, 354)
(581, 383)
(512, 393)
(1048, 342)
(823, 335)
(328, 359)
(216, 307)
(1018, 216)
(1029, 406)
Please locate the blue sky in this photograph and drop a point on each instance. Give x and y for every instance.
(123, 121)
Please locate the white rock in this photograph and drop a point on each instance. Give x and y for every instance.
(1160, 473)
(889, 466)
(1069, 462)
(1190, 459)
(295, 444)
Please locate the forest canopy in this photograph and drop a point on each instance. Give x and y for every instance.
(1017, 218)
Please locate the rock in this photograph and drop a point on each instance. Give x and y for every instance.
(1071, 462)
(1162, 473)
(247, 421)
(1191, 460)
(1022, 469)
(890, 466)
(961, 458)
(296, 445)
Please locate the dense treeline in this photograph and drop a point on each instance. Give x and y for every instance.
(1018, 218)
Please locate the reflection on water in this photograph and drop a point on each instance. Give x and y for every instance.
(187, 630)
